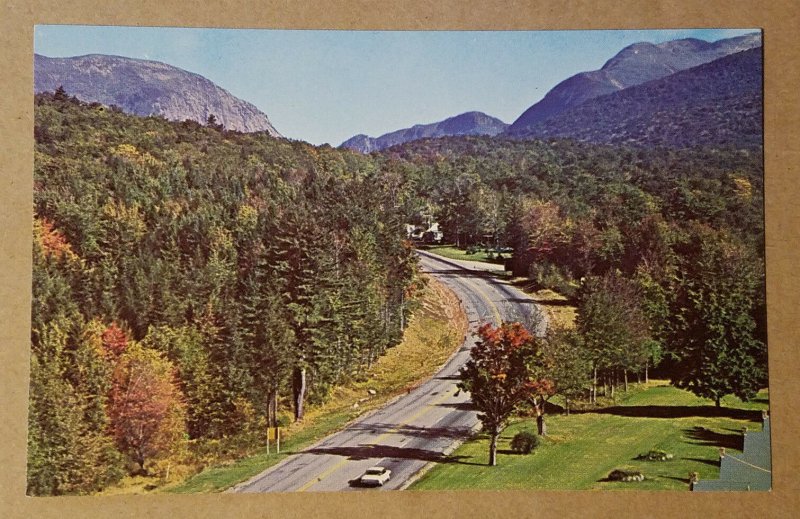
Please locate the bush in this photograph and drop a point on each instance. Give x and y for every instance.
(656, 455)
(524, 442)
(625, 475)
(550, 276)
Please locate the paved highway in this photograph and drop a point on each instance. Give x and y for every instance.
(418, 428)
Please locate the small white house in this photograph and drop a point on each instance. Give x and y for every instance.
(428, 234)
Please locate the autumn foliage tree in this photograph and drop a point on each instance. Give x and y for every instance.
(114, 341)
(146, 408)
(500, 377)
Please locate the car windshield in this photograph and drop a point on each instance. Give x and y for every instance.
(375, 470)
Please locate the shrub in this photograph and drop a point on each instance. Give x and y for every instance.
(524, 442)
(547, 275)
(656, 455)
(625, 475)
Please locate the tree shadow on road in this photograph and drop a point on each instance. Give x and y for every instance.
(449, 377)
(461, 406)
(363, 452)
(413, 430)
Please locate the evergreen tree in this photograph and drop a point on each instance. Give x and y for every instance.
(713, 340)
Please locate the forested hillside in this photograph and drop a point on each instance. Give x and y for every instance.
(716, 104)
(190, 284)
(634, 65)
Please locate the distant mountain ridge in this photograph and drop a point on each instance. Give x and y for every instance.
(633, 65)
(469, 123)
(717, 104)
(143, 87)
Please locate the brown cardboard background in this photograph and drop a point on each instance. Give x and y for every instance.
(778, 18)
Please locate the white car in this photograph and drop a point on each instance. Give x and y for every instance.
(376, 476)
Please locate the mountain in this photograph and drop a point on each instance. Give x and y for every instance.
(716, 104)
(143, 87)
(633, 65)
(470, 123)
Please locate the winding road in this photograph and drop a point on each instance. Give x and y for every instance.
(415, 429)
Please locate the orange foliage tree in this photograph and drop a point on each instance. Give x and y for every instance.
(115, 341)
(146, 408)
(501, 375)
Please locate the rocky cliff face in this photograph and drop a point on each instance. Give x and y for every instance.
(470, 123)
(633, 65)
(142, 87)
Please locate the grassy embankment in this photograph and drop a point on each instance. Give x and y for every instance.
(584, 447)
(435, 331)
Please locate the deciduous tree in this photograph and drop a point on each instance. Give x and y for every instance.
(146, 408)
(498, 376)
(613, 327)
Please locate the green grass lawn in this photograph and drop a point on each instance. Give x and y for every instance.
(584, 447)
(452, 252)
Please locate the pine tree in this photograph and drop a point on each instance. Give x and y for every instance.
(269, 339)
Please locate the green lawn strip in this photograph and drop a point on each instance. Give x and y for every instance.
(461, 254)
(583, 448)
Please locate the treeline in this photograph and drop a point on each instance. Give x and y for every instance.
(191, 284)
(661, 250)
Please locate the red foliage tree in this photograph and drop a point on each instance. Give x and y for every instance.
(147, 412)
(501, 375)
(51, 240)
(115, 341)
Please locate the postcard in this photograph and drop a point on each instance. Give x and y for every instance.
(366, 261)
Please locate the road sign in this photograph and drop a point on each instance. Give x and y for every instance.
(274, 433)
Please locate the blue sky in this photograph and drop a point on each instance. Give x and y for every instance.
(326, 86)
